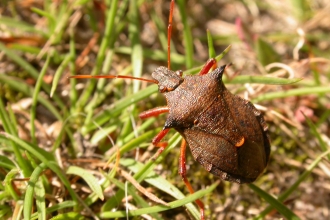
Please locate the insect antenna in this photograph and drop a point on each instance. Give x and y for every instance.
(169, 33)
(113, 77)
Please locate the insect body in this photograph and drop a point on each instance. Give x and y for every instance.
(226, 134)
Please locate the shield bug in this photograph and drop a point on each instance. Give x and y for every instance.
(226, 134)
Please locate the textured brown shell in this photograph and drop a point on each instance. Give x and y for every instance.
(214, 122)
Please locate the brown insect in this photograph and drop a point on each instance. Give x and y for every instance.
(226, 134)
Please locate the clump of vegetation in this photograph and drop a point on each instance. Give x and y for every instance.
(76, 148)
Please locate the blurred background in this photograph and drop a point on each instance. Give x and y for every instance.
(80, 124)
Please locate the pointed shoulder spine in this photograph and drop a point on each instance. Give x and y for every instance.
(218, 72)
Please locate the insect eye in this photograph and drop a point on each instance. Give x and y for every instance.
(179, 73)
(162, 89)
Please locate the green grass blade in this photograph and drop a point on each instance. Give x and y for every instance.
(147, 123)
(45, 157)
(21, 25)
(210, 45)
(111, 14)
(39, 153)
(292, 92)
(31, 70)
(8, 126)
(300, 9)
(224, 52)
(51, 19)
(135, 142)
(72, 69)
(5, 119)
(62, 15)
(132, 192)
(294, 186)
(5, 210)
(25, 48)
(56, 208)
(156, 55)
(89, 179)
(188, 42)
(263, 80)
(13, 120)
(196, 70)
(145, 170)
(9, 189)
(160, 183)
(59, 73)
(162, 32)
(137, 52)
(40, 200)
(286, 212)
(160, 208)
(35, 99)
(21, 86)
(69, 216)
(118, 107)
(20, 61)
(141, 174)
(266, 53)
(101, 134)
(28, 199)
(324, 147)
(102, 89)
(5, 162)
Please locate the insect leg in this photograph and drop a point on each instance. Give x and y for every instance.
(210, 63)
(156, 142)
(183, 174)
(154, 112)
(160, 136)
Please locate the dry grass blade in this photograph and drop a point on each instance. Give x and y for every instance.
(143, 190)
